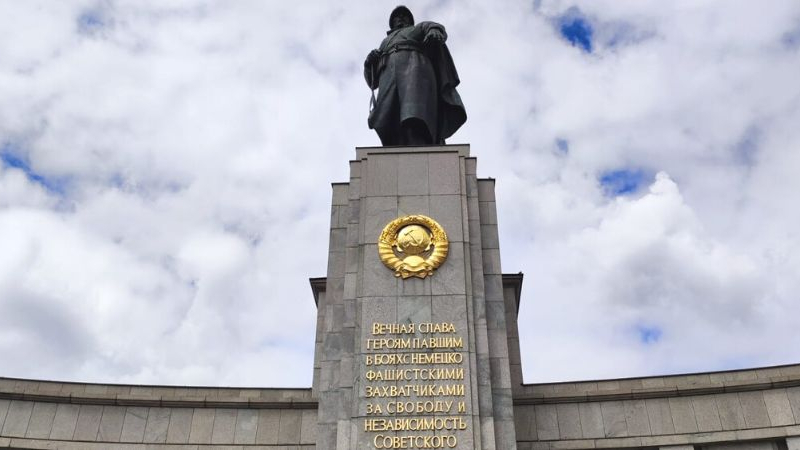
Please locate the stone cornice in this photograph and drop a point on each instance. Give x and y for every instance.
(157, 396)
(777, 377)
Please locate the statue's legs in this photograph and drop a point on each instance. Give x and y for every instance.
(414, 132)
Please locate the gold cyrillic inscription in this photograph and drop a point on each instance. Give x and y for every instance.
(403, 405)
(456, 373)
(419, 390)
(415, 343)
(393, 359)
(447, 441)
(416, 424)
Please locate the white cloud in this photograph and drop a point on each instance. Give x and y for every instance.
(194, 144)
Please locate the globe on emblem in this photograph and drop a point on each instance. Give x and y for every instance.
(413, 246)
(413, 240)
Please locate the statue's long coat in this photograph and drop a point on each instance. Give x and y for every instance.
(414, 84)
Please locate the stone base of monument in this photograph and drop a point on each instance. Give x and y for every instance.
(417, 343)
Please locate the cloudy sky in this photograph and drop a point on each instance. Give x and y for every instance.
(165, 171)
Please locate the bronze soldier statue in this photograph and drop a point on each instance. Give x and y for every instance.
(416, 80)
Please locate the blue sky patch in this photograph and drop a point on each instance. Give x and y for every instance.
(649, 335)
(747, 146)
(562, 145)
(623, 181)
(791, 39)
(11, 159)
(90, 22)
(576, 28)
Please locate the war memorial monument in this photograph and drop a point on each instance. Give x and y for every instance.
(416, 340)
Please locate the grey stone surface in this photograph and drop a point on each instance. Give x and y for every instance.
(486, 190)
(308, 427)
(379, 212)
(792, 393)
(412, 205)
(343, 434)
(450, 278)
(111, 423)
(444, 173)
(793, 443)
(489, 236)
(546, 422)
(289, 428)
(339, 194)
(569, 421)
(17, 417)
(730, 411)
(4, 404)
(452, 309)
(224, 426)
(414, 309)
(64, 421)
(763, 445)
(378, 280)
(491, 262)
(705, 410)
(487, 212)
(415, 286)
(377, 310)
(180, 425)
(202, 426)
(268, 423)
(326, 435)
(614, 423)
(504, 435)
(155, 430)
(338, 238)
(484, 376)
(246, 426)
(778, 407)
(382, 175)
(487, 433)
(41, 421)
(500, 373)
(496, 318)
(591, 420)
(412, 174)
(134, 424)
(659, 415)
(503, 407)
(683, 415)
(754, 409)
(525, 422)
(636, 418)
(354, 212)
(448, 212)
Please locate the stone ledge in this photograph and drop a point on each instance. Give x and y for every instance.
(661, 387)
(664, 440)
(84, 445)
(461, 149)
(165, 402)
(155, 396)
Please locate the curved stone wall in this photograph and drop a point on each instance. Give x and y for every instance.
(52, 415)
(702, 409)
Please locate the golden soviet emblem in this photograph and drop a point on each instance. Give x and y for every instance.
(413, 246)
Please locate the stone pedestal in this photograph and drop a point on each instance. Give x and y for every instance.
(416, 362)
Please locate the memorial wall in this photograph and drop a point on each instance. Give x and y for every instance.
(412, 343)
